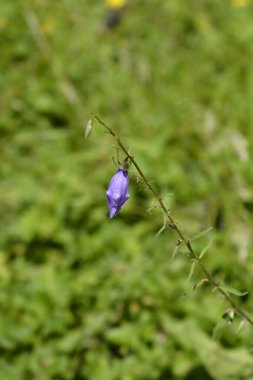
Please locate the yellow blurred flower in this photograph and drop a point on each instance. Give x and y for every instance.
(3, 23)
(240, 3)
(116, 3)
(47, 26)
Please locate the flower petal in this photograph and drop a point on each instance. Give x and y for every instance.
(117, 193)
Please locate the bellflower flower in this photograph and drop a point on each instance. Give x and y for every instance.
(117, 193)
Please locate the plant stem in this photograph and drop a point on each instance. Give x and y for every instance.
(172, 224)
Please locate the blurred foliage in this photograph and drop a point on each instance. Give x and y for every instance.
(84, 297)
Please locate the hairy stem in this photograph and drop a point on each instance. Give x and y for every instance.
(172, 224)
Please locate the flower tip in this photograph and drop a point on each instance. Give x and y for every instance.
(113, 212)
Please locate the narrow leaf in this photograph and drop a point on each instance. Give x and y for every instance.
(191, 271)
(88, 128)
(174, 252)
(205, 249)
(202, 233)
(162, 228)
(240, 326)
(231, 290)
(217, 331)
(200, 283)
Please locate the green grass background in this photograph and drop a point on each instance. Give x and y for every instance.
(83, 297)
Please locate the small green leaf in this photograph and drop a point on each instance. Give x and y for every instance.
(191, 271)
(241, 326)
(229, 315)
(205, 249)
(162, 228)
(202, 233)
(217, 331)
(231, 290)
(200, 283)
(153, 204)
(88, 128)
(174, 252)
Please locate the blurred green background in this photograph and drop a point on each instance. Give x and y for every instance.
(83, 297)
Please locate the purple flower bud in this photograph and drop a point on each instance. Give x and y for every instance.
(117, 193)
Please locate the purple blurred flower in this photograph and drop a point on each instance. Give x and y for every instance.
(117, 193)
